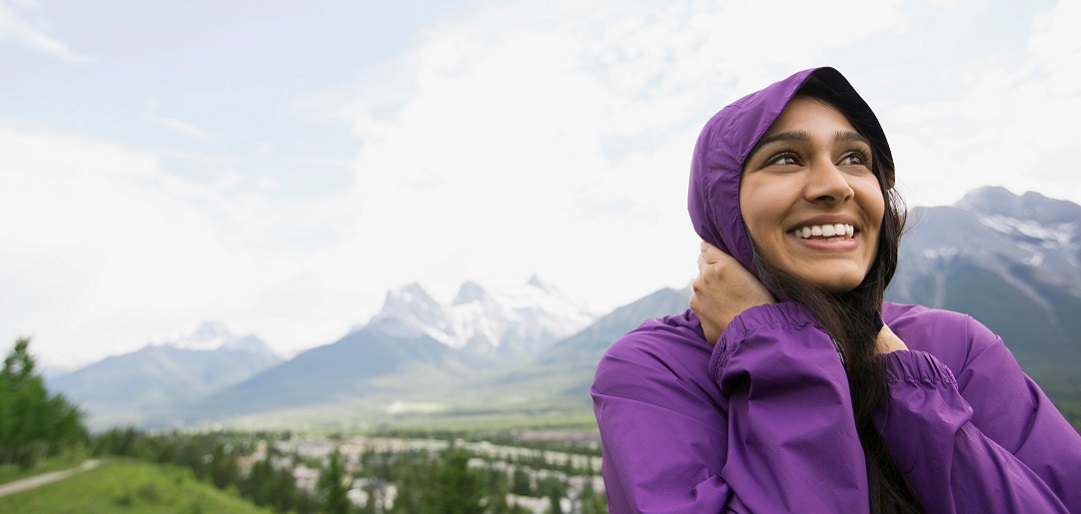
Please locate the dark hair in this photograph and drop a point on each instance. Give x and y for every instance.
(853, 319)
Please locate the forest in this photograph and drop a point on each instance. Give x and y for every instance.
(392, 472)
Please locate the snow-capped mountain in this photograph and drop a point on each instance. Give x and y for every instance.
(1012, 262)
(517, 321)
(154, 380)
(212, 336)
(1046, 231)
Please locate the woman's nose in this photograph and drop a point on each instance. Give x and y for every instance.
(827, 183)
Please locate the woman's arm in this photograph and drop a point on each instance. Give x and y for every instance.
(767, 427)
(1015, 453)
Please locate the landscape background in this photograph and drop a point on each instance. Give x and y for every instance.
(526, 357)
(311, 257)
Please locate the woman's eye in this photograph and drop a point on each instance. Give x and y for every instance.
(783, 159)
(855, 159)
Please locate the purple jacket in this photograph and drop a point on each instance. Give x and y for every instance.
(762, 421)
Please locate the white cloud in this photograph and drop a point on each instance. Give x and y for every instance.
(99, 248)
(557, 140)
(1003, 127)
(14, 26)
(513, 140)
(151, 113)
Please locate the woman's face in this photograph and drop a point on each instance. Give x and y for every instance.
(809, 198)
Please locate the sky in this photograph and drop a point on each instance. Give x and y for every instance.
(279, 166)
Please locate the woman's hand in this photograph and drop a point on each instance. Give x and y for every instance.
(722, 290)
(888, 341)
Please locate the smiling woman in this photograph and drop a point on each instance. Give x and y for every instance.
(790, 385)
(809, 198)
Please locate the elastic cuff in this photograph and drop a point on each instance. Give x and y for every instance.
(772, 315)
(917, 366)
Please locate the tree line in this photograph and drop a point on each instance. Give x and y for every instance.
(425, 482)
(34, 425)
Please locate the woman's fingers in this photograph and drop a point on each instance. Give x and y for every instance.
(722, 290)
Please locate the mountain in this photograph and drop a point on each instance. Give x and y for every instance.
(363, 365)
(414, 349)
(1013, 263)
(508, 325)
(151, 382)
(563, 373)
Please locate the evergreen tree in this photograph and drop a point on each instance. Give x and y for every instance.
(497, 501)
(223, 470)
(33, 424)
(458, 490)
(521, 485)
(333, 494)
(413, 489)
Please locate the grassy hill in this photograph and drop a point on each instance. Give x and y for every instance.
(129, 487)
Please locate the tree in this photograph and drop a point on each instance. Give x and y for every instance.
(33, 424)
(223, 469)
(333, 494)
(458, 490)
(497, 500)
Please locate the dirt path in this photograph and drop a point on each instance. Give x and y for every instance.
(46, 478)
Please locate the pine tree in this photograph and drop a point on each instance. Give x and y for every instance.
(223, 471)
(458, 490)
(333, 494)
(497, 501)
(32, 423)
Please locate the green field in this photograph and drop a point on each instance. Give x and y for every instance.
(126, 486)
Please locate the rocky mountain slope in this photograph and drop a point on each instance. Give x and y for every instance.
(156, 380)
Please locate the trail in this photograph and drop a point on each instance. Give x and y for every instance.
(45, 478)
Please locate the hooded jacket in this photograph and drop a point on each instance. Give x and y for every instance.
(762, 421)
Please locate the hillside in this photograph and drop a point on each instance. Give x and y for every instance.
(128, 487)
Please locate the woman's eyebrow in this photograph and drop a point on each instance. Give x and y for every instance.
(802, 136)
(790, 136)
(847, 136)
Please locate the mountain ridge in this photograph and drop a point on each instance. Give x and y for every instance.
(1013, 262)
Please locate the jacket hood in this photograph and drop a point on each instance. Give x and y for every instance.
(729, 137)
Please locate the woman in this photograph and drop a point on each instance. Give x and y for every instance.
(790, 386)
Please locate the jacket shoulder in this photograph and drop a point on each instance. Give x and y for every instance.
(668, 350)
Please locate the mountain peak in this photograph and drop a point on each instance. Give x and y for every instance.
(409, 297)
(209, 335)
(535, 281)
(999, 201)
(469, 292)
(527, 315)
(213, 335)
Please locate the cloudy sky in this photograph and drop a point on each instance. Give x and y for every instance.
(278, 166)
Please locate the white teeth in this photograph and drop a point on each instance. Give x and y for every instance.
(839, 229)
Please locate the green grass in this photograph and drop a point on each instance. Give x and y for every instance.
(125, 486)
(68, 459)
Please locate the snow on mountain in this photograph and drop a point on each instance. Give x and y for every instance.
(1029, 218)
(527, 316)
(211, 336)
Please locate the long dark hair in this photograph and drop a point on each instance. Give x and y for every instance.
(853, 319)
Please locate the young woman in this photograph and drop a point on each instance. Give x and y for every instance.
(790, 386)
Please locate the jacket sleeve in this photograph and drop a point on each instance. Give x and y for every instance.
(944, 448)
(778, 437)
